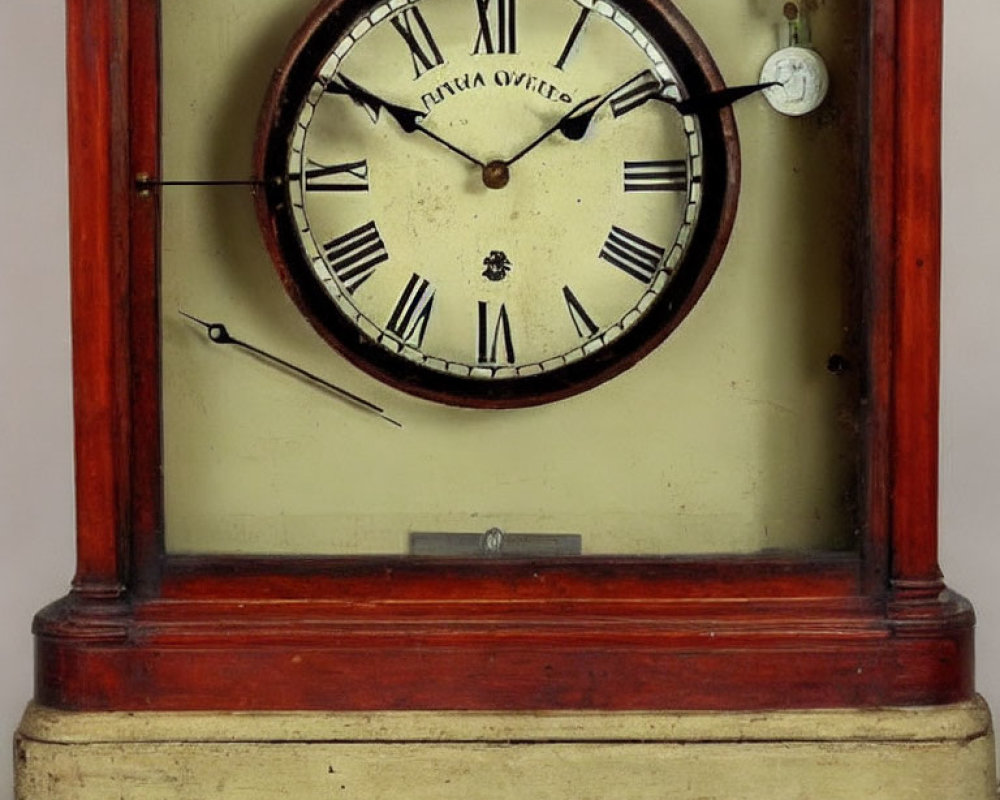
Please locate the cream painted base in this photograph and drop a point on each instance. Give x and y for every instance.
(939, 754)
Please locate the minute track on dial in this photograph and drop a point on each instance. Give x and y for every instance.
(578, 304)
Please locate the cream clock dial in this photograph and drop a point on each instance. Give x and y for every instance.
(493, 202)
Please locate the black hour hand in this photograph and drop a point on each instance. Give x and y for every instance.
(646, 86)
(631, 94)
(406, 118)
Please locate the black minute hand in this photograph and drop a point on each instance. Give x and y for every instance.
(217, 333)
(575, 126)
(713, 101)
(407, 118)
(560, 126)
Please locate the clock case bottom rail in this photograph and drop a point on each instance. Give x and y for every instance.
(911, 648)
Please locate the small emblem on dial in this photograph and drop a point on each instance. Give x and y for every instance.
(497, 265)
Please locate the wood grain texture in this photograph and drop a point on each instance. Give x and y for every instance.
(146, 506)
(916, 328)
(98, 198)
(708, 654)
(143, 631)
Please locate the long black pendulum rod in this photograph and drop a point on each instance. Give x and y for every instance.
(218, 334)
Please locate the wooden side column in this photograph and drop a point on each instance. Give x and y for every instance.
(98, 80)
(916, 576)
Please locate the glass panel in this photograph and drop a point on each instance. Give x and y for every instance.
(738, 433)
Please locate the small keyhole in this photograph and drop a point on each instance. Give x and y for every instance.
(837, 364)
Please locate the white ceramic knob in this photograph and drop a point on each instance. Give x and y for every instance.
(802, 77)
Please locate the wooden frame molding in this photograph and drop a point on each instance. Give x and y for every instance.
(141, 630)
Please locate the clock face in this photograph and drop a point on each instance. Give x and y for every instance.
(495, 203)
(731, 435)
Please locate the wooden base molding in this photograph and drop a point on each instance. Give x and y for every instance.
(942, 753)
(492, 653)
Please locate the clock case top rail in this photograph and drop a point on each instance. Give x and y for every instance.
(143, 630)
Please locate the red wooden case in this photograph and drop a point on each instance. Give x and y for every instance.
(143, 630)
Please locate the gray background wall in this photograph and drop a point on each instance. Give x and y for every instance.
(36, 502)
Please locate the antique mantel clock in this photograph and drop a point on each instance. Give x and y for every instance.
(471, 357)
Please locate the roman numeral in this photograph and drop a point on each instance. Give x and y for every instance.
(585, 326)
(350, 177)
(641, 89)
(632, 254)
(500, 37)
(412, 312)
(656, 176)
(423, 49)
(573, 36)
(353, 257)
(494, 342)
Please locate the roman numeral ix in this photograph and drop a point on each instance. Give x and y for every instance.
(632, 254)
(353, 257)
(417, 36)
(656, 176)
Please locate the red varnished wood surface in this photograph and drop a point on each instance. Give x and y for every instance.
(140, 631)
(786, 644)
(98, 199)
(916, 300)
(146, 507)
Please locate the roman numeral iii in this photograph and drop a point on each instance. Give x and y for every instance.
(497, 31)
(632, 254)
(353, 257)
(656, 176)
(412, 312)
(493, 340)
(417, 36)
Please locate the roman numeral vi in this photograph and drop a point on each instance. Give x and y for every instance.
(494, 342)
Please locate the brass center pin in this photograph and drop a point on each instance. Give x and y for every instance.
(496, 175)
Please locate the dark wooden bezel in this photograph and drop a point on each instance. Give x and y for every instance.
(720, 191)
(142, 630)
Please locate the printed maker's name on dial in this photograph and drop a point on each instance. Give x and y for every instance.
(502, 78)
